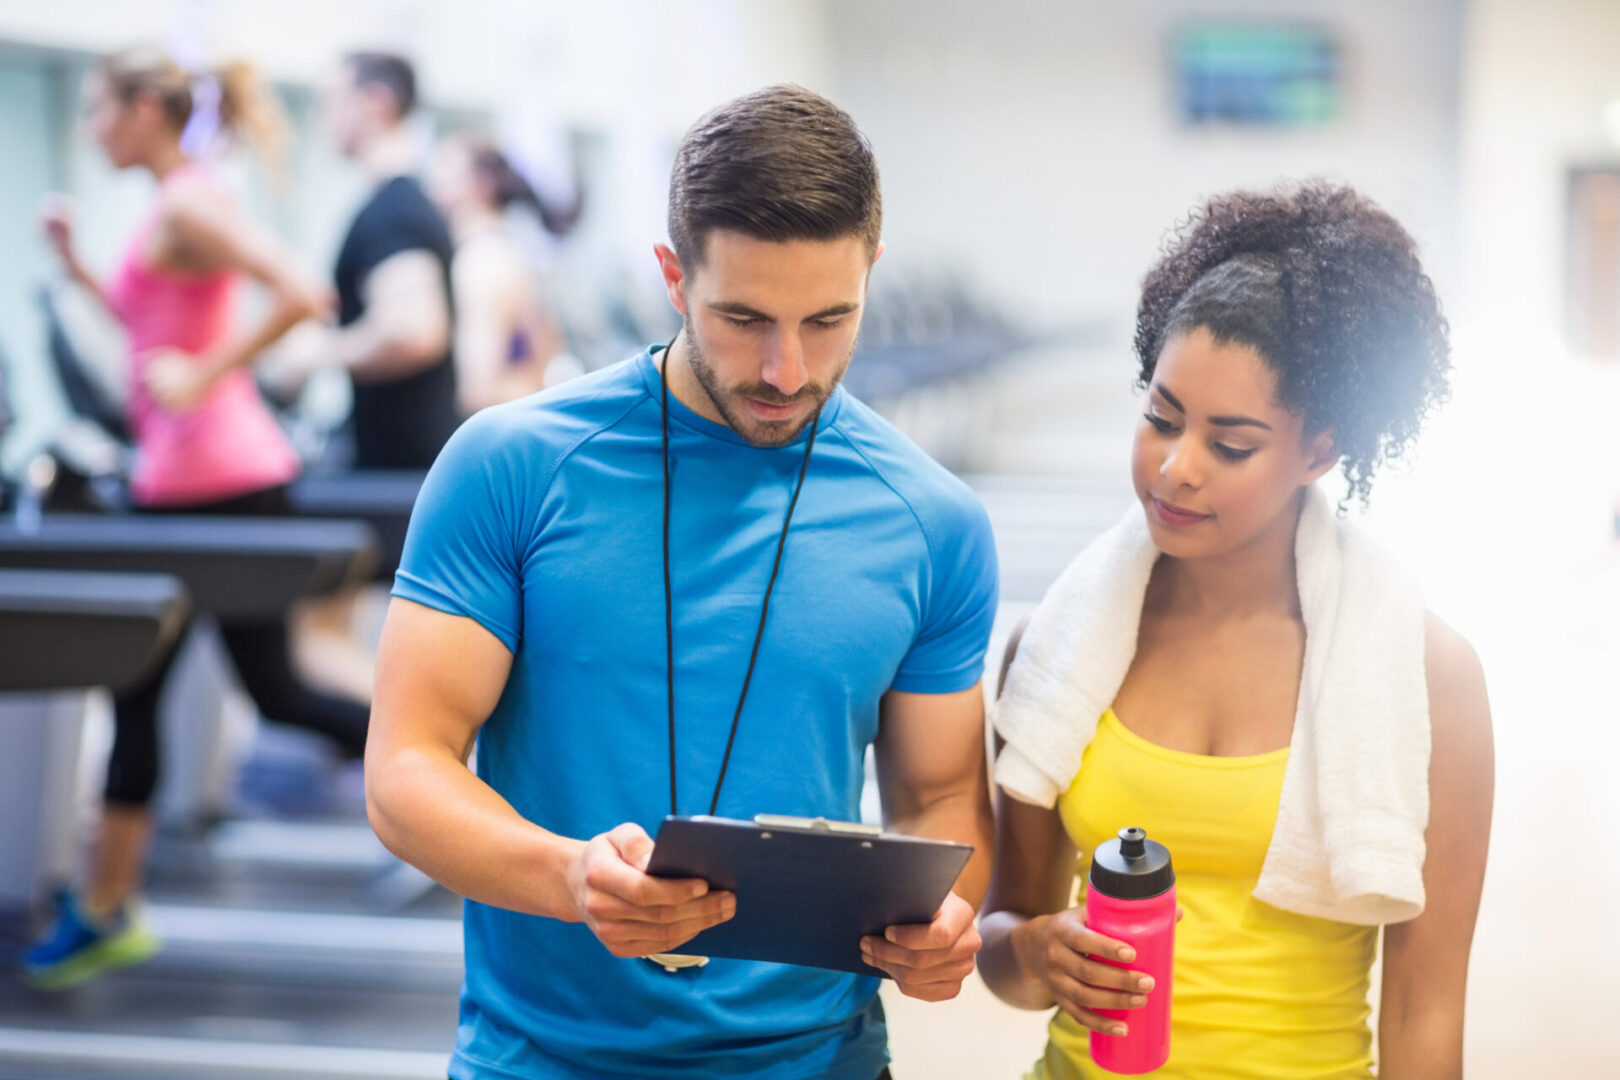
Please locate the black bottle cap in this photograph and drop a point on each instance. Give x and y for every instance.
(1132, 867)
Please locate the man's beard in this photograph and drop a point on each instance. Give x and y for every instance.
(759, 432)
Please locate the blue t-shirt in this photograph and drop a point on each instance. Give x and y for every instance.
(542, 520)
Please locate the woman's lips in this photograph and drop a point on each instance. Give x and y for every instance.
(1174, 515)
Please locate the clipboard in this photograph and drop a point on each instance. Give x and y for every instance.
(807, 889)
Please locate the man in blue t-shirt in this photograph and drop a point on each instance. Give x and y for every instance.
(704, 580)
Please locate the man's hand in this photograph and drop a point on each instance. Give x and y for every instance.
(302, 351)
(632, 913)
(928, 961)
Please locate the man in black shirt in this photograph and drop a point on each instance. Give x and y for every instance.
(392, 277)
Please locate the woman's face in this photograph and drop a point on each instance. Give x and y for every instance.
(1217, 461)
(121, 128)
(453, 183)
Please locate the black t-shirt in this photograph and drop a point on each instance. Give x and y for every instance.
(399, 423)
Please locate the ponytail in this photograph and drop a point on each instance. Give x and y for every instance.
(251, 113)
(246, 108)
(510, 187)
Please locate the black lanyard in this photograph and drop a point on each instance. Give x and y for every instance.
(669, 595)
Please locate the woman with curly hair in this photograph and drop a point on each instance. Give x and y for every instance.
(1239, 670)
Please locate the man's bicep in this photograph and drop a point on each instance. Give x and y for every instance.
(408, 289)
(959, 610)
(439, 676)
(930, 746)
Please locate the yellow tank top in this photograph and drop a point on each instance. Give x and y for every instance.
(1259, 993)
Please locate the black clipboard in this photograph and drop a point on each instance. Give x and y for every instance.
(807, 889)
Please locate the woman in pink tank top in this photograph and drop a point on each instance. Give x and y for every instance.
(205, 443)
(202, 432)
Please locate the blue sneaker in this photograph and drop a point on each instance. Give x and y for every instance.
(77, 947)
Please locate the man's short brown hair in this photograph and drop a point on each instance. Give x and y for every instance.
(391, 71)
(782, 163)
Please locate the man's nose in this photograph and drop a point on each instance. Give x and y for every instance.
(785, 368)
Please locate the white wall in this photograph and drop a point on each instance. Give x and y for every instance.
(1037, 141)
(1536, 78)
(26, 92)
(1529, 433)
(698, 51)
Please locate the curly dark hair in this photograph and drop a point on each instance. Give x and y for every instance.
(1327, 287)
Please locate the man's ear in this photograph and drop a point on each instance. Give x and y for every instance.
(669, 266)
(1324, 455)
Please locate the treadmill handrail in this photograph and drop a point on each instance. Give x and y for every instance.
(234, 567)
(192, 533)
(119, 626)
(89, 592)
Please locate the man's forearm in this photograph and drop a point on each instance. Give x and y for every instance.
(368, 349)
(965, 819)
(434, 813)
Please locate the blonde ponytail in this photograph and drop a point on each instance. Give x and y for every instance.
(246, 107)
(252, 113)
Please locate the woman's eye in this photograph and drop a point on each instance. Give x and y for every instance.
(1232, 453)
(1160, 424)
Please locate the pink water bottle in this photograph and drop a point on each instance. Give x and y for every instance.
(1131, 897)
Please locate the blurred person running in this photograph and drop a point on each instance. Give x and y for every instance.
(395, 329)
(508, 343)
(205, 442)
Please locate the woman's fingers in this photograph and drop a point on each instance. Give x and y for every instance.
(1070, 929)
(1072, 999)
(1080, 987)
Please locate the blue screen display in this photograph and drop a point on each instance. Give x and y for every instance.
(1257, 74)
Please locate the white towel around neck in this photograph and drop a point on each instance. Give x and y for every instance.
(1348, 842)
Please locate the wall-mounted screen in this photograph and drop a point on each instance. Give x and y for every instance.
(1265, 74)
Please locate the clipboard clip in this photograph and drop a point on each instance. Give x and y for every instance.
(816, 824)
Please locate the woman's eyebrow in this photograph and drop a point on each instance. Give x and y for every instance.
(1218, 421)
(1239, 421)
(1175, 403)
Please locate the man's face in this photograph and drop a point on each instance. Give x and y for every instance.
(770, 327)
(343, 109)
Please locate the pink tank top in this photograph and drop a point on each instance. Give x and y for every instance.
(226, 445)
